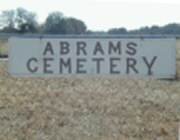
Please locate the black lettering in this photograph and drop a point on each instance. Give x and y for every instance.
(131, 64)
(64, 47)
(115, 48)
(149, 64)
(29, 65)
(113, 65)
(47, 65)
(66, 64)
(98, 63)
(48, 49)
(98, 48)
(81, 47)
(131, 48)
(80, 65)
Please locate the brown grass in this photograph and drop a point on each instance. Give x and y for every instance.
(3, 47)
(88, 108)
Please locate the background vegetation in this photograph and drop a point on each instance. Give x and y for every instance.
(24, 21)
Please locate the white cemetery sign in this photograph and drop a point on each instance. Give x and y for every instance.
(61, 56)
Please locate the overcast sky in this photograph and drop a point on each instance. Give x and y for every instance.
(105, 14)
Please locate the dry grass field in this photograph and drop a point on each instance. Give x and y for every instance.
(3, 47)
(93, 108)
(88, 108)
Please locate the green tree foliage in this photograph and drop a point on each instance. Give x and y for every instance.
(118, 31)
(56, 23)
(19, 20)
(171, 29)
(23, 21)
(75, 26)
(154, 30)
(26, 21)
(7, 19)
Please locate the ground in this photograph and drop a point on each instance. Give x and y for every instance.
(88, 108)
(3, 47)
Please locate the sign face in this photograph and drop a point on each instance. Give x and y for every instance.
(153, 57)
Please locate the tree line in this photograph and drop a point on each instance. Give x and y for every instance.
(23, 21)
